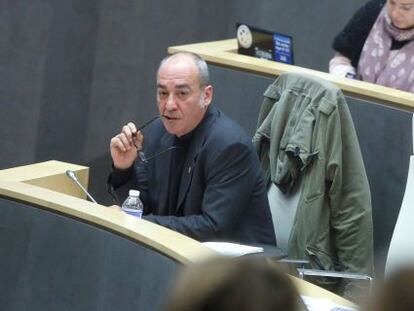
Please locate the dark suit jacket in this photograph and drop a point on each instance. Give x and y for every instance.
(222, 194)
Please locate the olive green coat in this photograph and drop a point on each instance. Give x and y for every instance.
(305, 131)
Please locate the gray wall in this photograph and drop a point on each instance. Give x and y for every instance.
(72, 72)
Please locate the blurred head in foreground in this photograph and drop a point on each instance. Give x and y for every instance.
(233, 284)
(396, 293)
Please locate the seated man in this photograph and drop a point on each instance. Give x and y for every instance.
(208, 183)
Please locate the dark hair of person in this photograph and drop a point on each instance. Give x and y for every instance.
(395, 293)
(233, 284)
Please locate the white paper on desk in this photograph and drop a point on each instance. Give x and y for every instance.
(323, 304)
(233, 249)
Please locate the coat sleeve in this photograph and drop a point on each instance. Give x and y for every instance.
(350, 200)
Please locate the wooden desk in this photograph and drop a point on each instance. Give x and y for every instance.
(78, 250)
(224, 53)
(59, 251)
(46, 185)
(50, 175)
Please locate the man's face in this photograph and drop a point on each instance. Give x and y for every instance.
(181, 100)
(401, 13)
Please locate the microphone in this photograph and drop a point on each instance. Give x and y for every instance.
(72, 176)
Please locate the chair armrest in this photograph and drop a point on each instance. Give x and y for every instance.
(336, 274)
(333, 274)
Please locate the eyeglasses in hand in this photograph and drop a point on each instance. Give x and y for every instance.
(147, 123)
(145, 159)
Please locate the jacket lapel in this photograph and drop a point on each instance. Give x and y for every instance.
(194, 149)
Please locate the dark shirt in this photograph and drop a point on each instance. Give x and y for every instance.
(178, 157)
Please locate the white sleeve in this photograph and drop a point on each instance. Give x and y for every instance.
(340, 66)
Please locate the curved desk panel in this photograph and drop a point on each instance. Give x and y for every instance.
(52, 262)
(59, 252)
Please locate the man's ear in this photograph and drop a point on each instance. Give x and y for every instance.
(208, 95)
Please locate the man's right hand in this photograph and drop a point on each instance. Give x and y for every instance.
(125, 146)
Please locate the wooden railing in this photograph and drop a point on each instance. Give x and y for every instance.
(224, 53)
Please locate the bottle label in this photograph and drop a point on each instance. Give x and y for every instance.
(133, 212)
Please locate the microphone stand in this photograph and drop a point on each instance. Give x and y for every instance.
(72, 177)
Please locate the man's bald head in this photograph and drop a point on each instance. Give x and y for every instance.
(200, 63)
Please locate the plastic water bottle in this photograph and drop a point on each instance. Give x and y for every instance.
(133, 204)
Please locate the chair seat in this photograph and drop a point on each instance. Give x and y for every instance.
(401, 250)
(283, 209)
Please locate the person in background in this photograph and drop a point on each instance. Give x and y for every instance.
(241, 284)
(395, 293)
(205, 179)
(377, 45)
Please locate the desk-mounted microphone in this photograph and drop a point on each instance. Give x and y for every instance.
(72, 177)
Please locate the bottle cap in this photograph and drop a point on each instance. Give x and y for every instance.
(134, 193)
